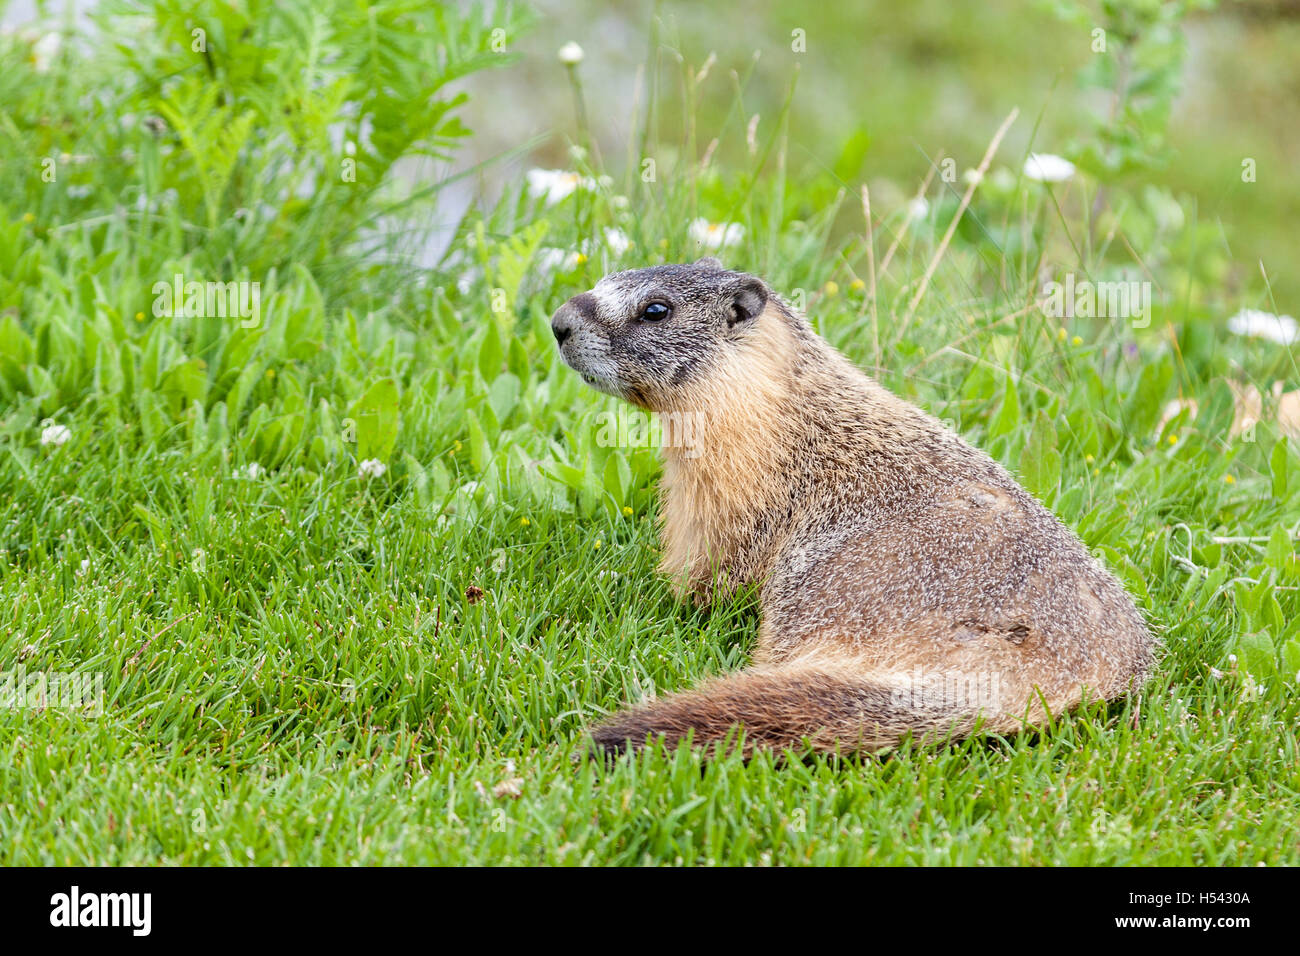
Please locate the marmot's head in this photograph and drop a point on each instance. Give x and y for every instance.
(645, 334)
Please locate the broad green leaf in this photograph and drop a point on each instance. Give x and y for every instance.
(1040, 462)
(1008, 414)
(1256, 654)
(1280, 466)
(377, 416)
(1279, 548)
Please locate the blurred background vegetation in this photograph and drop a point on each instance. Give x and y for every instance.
(408, 268)
(884, 88)
(324, 150)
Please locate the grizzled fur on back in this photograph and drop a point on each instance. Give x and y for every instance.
(908, 584)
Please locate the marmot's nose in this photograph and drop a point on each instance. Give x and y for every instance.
(568, 316)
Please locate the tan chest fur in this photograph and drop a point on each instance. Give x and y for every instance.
(712, 490)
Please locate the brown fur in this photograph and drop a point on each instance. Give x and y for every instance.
(908, 584)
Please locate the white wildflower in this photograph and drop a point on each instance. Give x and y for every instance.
(618, 241)
(44, 51)
(251, 471)
(372, 468)
(713, 235)
(1172, 409)
(55, 435)
(512, 787)
(1253, 323)
(555, 184)
(1048, 168)
(918, 208)
(550, 259)
(570, 54)
(466, 279)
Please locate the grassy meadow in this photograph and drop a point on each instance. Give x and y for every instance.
(352, 573)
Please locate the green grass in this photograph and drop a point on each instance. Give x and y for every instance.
(317, 689)
(312, 666)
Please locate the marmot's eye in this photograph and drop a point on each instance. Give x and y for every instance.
(656, 312)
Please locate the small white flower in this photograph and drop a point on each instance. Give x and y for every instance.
(1253, 323)
(55, 435)
(465, 281)
(85, 566)
(618, 241)
(372, 468)
(555, 184)
(570, 54)
(1048, 168)
(1232, 658)
(918, 208)
(1172, 409)
(512, 788)
(253, 470)
(44, 51)
(714, 235)
(972, 176)
(550, 259)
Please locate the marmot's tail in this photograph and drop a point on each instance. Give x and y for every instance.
(797, 705)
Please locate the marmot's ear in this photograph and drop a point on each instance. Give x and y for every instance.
(746, 299)
(710, 264)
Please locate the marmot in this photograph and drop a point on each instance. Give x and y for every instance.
(907, 583)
